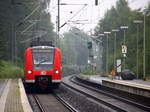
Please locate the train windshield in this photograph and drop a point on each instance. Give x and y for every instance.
(43, 59)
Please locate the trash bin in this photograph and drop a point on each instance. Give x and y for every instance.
(127, 75)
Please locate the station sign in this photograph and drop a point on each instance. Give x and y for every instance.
(124, 49)
(118, 65)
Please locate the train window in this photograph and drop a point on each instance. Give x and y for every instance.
(43, 59)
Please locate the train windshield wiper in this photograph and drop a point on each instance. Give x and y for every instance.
(41, 62)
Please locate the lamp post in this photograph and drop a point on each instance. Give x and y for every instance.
(144, 50)
(144, 76)
(101, 50)
(100, 43)
(115, 46)
(137, 22)
(107, 33)
(124, 28)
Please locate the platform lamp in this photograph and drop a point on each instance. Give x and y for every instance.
(124, 28)
(107, 34)
(137, 22)
(115, 45)
(101, 35)
(144, 35)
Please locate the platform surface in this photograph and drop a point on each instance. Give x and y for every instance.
(13, 97)
(98, 79)
(138, 87)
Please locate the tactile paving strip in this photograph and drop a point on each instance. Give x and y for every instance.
(13, 101)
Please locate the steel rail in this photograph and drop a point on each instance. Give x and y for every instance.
(93, 97)
(67, 105)
(38, 103)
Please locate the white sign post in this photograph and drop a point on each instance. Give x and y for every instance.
(124, 50)
(118, 65)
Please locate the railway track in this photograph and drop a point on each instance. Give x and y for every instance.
(38, 103)
(67, 105)
(139, 105)
(114, 102)
(101, 89)
(49, 103)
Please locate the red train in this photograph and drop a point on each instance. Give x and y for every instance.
(43, 65)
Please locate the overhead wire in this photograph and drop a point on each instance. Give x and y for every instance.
(73, 16)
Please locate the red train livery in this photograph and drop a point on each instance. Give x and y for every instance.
(43, 66)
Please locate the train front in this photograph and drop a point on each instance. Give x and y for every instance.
(43, 66)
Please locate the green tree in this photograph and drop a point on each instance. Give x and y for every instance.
(16, 16)
(74, 47)
(121, 15)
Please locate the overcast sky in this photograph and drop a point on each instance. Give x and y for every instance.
(89, 14)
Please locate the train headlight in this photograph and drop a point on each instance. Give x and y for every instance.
(56, 71)
(29, 72)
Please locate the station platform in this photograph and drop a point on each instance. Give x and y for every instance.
(13, 97)
(138, 87)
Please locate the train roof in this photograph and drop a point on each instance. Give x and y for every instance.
(42, 47)
(41, 43)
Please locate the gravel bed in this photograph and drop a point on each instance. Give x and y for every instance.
(80, 102)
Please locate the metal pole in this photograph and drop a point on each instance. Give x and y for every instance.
(107, 33)
(56, 30)
(115, 45)
(137, 52)
(12, 44)
(58, 23)
(124, 37)
(137, 22)
(58, 19)
(107, 56)
(101, 50)
(144, 50)
(115, 50)
(15, 49)
(124, 44)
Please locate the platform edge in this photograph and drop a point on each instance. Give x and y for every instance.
(24, 100)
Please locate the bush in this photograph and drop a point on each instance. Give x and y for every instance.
(70, 70)
(88, 71)
(8, 70)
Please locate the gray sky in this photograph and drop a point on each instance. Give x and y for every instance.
(89, 14)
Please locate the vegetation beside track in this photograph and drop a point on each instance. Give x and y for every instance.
(88, 71)
(8, 70)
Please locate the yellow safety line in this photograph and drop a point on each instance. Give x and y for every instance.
(24, 100)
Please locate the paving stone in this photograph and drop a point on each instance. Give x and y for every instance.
(13, 101)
